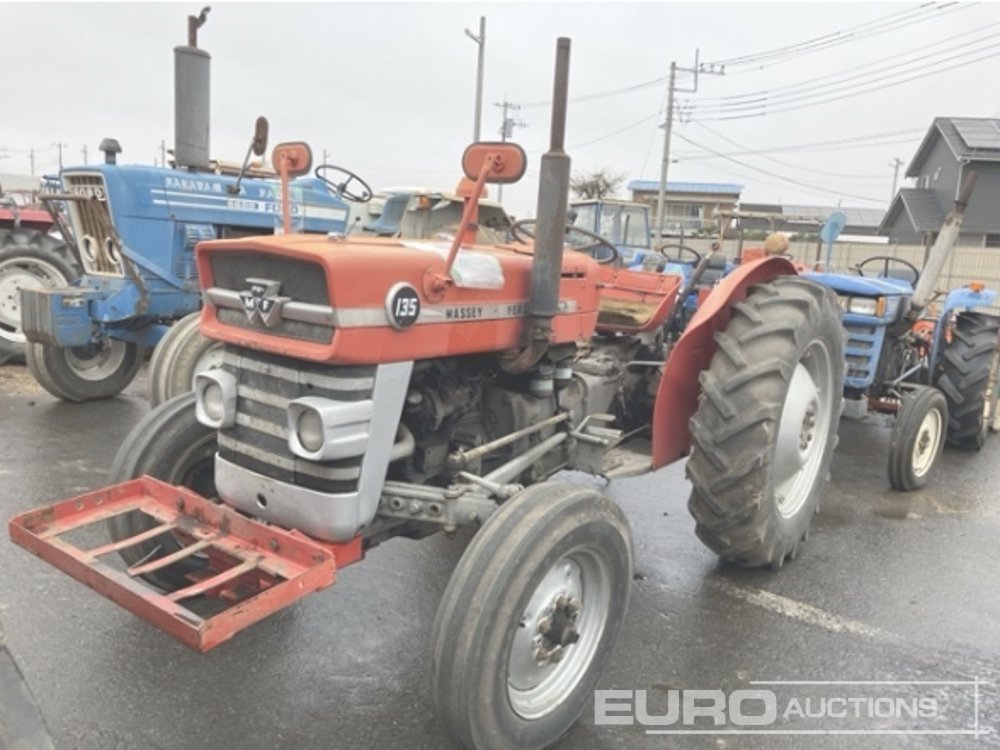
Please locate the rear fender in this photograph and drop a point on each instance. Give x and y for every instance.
(963, 298)
(677, 395)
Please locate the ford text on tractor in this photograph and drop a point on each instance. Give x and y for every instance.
(135, 229)
(374, 388)
(937, 373)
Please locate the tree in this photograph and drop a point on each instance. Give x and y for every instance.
(596, 184)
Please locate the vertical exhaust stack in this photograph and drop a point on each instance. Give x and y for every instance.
(942, 248)
(192, 69)
(553, 199)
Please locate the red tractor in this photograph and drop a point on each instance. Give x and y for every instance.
(378, 388)
(30, 258)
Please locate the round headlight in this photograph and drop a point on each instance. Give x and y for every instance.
(863, 306)
(310, 430)
(212, 402)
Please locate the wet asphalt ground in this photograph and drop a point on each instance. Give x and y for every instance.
(888, 587)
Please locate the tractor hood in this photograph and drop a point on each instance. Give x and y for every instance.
(862, 286)
(357, 300)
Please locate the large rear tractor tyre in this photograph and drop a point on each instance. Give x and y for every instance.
(917, 438)
(85, 373)
(180, 355)
(766, 424)
(29, 259)
(969, 378)
(529, 618)
(169, 444)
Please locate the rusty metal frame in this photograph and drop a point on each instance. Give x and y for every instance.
(263, 568)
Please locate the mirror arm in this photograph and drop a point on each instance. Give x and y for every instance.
(235, 188)
(470, 214)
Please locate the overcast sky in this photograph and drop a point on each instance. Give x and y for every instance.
(389, 89)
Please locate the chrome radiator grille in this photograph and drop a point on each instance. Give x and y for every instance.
(92, 224)
(302, 282)
(259, 439)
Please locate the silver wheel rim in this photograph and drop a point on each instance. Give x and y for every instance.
(17, 274)
(925, 447)
(575, 594)
(803, 430)
(99, 362)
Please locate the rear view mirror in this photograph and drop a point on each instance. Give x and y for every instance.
(296, 156)
(259, 145)
(509, 166)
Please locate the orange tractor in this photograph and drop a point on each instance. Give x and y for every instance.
(378, 388)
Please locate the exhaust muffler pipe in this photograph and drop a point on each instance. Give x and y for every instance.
(192, 94)
(941, 251)
(553, 201)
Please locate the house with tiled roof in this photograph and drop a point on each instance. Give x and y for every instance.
(689, 207)
(952, 147)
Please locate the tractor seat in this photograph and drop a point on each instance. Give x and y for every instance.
(715, 269)
(389, 221)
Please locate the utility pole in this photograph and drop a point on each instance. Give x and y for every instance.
(59, 146)
(325, 155)
(31, 160)
(668, 126)
(84, 152)
(480, 41)
(163, 153)
(895, 164)
(507, 129)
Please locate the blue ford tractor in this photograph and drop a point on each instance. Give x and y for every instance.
(938, 373)
(135, 228)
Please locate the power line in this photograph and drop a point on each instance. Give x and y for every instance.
(603, 94)
(845, 85)
(785, 163)
(625, 129)
(854, 92)
(892, 22)
(846, 142)
(810, 82)
(791, 180)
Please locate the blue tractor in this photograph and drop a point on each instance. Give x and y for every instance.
(135, 229)
(937, 373)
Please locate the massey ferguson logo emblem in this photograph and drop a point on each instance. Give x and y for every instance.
(261, 301)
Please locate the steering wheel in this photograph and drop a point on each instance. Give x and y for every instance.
(522, 234)
(340, 188)
(886, 261)
(681, 251)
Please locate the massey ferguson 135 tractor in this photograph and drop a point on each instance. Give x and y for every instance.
(135, 229)
(937, 374)
(375, 388)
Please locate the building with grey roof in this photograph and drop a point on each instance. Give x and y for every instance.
(952, 147)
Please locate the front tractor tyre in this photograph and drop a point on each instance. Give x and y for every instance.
(170, 444)
(529, 618)
(85, 373)
(180, 355)
(28, 260)
(766, 425)
(917, 438)
(968, 377)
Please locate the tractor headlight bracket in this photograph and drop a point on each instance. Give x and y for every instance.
(215, 399)
(320, 429)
